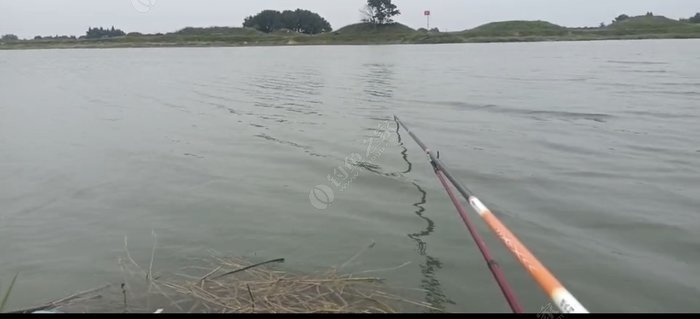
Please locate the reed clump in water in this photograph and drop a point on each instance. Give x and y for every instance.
(236, 285)
(256, 288)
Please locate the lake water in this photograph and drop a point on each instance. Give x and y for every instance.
(588, 151)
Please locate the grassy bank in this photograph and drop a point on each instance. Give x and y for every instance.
(642, 27)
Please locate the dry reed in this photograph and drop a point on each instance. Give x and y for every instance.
(236, 285)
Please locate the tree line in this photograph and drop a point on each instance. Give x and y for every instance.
(302, 21)
(9, 37)
(56, 37)
(92, 33)
(376, 12)
(99, 33)
(693, 19)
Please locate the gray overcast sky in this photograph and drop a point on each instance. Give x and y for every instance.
(27, 18)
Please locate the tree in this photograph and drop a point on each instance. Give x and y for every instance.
(303, 21)
(55, 37)
(602, 25)
(368, 15)
(9, 37)
(99, 33)
(695, 19)
(650, 14)
(379, 11)
(290, 20)
(265, 21)
(309, 22)
(621, 18)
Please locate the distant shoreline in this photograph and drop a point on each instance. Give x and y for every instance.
(635, 28)
(203, 44)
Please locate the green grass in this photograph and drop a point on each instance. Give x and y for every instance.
(516, 29)
(651, 25)
(220, 31)
(641, 27)
(6, 296)
(363, 29)
(433, 38)
(366, 33)
(647, 22)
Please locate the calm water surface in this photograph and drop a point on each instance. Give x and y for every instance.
(589, 152)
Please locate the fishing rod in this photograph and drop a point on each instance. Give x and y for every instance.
(561, 297)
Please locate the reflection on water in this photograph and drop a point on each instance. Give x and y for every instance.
(379, 81)
(404, 153)
(379, 87)
(279, 97)
(434, 294)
